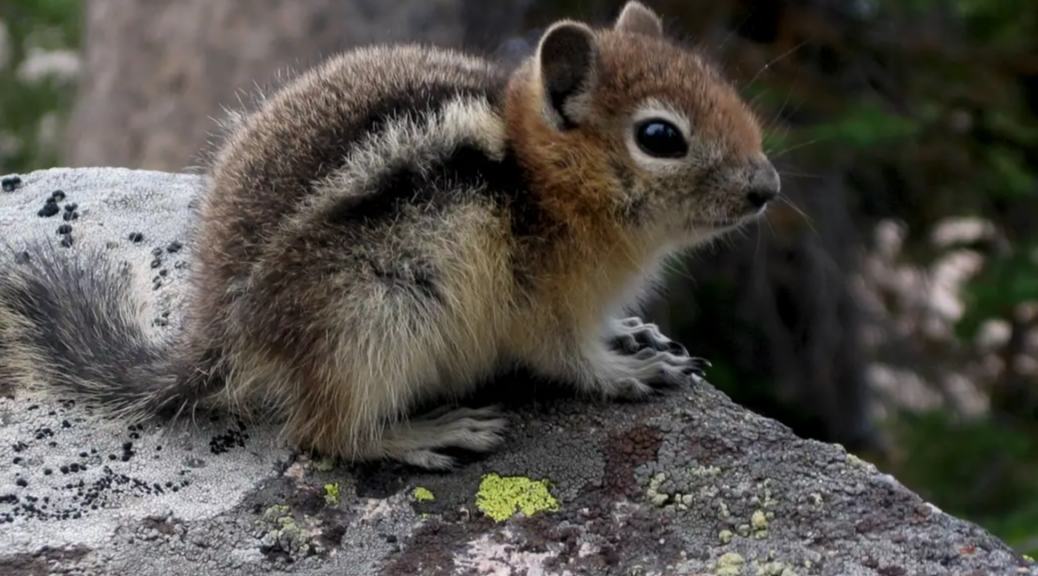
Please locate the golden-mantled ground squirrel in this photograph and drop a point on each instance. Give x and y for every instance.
(399, 222)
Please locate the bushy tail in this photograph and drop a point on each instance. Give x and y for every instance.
(68, 321)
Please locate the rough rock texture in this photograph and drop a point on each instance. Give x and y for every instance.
(687, 484)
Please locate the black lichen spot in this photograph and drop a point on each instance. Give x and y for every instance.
(66, 240)
(174, 247)
(22, 482)
(127, 452)
(58, 195)
(49, 209)
(225, 442)
(136, 237)
(65, 229)
(11, 183)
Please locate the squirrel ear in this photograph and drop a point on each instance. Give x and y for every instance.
(637, 18)
(568, 63)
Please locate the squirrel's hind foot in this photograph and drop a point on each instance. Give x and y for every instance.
(418, 441)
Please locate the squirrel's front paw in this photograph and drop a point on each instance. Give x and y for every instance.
(644, 341)
(630, 335)
(668, 369)
(652, 371)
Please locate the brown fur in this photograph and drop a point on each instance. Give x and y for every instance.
(398, 223)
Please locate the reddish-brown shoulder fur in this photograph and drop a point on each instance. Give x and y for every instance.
(584, 178)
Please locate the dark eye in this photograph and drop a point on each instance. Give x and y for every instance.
(660, 138)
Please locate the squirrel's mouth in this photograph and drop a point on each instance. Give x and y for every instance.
(727, 222)
(717, 223)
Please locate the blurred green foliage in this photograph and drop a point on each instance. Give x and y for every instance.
(30, 27)
(981, 469)
(967, 129)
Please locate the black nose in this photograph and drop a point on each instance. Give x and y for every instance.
(761, 195)
(764, 183)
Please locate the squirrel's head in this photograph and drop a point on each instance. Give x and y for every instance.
(624, 119)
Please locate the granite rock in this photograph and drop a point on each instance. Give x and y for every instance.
(688, 483)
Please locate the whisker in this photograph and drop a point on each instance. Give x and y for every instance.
(797, 146)
(775, 60)
(796, 174)
(789, 202)
(735, 29)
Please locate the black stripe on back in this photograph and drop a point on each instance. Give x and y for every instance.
(332, 142)
(467, 167)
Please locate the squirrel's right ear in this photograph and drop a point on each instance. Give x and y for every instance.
(638, 18)
(568, 64)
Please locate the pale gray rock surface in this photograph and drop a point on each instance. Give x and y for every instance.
(686, 484)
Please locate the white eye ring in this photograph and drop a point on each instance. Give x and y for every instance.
(648, 111)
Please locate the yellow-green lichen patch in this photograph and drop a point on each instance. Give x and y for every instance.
(856, 462)
(325, 465)
(656, 496)
(772, 569)
(289, 537)
(422, 495)
(759, 523)
(501, 497)
(722, 509)
(703, 471)
(275, 512)
(331, 493)
(283, 533)
(730, 564)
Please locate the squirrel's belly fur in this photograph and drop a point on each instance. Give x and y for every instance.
(398, 223)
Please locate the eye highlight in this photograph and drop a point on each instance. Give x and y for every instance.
(660, 138)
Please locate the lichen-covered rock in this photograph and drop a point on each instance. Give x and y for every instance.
(686, 484)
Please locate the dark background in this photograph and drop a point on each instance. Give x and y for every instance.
(890, 303)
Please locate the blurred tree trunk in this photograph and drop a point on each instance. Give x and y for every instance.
(157, 73)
